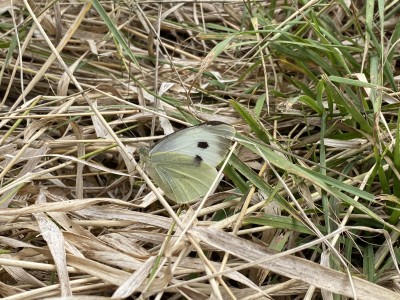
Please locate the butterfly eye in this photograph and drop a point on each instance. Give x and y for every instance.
(202, 145)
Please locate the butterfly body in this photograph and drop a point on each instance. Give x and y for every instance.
(183, 163)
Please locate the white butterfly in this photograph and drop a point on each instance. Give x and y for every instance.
(183, 163)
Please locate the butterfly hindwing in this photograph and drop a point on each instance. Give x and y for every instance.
(181, 178)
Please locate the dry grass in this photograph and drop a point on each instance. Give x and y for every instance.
(309, 206)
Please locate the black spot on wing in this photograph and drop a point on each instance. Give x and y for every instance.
(203, 145)
(198, 160)
(215, 123)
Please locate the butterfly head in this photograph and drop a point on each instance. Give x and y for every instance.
(144, 155)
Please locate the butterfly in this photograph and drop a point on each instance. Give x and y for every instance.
(183, 163)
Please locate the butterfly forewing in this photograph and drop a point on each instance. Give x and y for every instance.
(210, 141)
